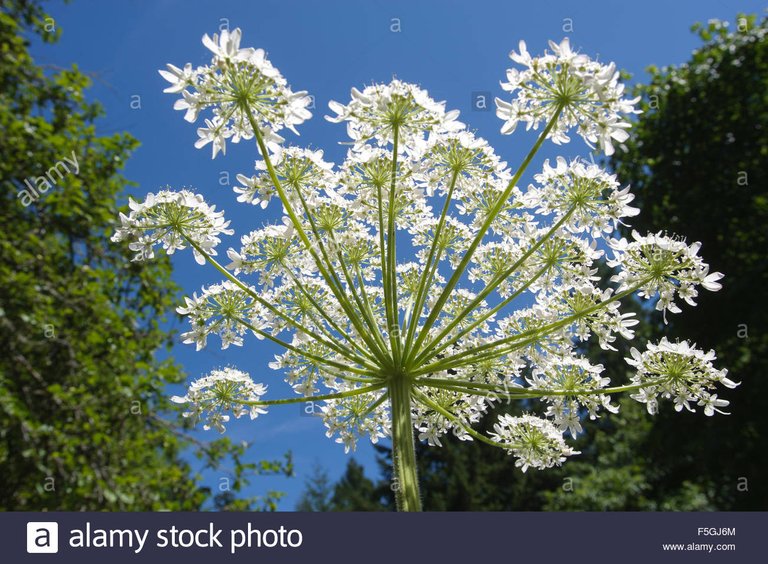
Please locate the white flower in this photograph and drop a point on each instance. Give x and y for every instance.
(678, 371)
(227, 47)
(298, 171)
(221, 309)
(534, 441)
(352, 416)
(587, 94)
(431, 425)
(591, 195)
(271, 251)
(242, 88)
(575, 375)
(173, 220)
(214, 131)
(179, 78)
(378, 110)
(227, 389)
(662, 266)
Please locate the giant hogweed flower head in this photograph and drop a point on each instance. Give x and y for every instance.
(374, 114)
(664, 266)
(212, 396)
(534, 441)
(423, 343)
(587, 95)
(242, 89)
(678, 371)
(597, 200)
(173, 220)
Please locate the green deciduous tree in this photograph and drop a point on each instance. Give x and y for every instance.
(84, 423)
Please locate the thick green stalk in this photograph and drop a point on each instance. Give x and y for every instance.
(406, 484)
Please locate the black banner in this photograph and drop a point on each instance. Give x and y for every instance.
(371, 538)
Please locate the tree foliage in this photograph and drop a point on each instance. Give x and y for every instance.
(84, 423)
(697, 161)
(353, 492)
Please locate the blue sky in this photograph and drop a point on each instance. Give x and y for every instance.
(453, 49)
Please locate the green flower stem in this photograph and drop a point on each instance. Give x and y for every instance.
(390, 288)
(371, 373)
(450, 416)
(325, 361)
(403, 449)
(338, 347)
(429, 271)
(381, 351)
(489, 390)
(367, 305)
(534, 334)
(362, 350)
(430, 352)
(362, 300)
(425, 354)
(373, 406)
(330, 280)
(337, 395)
(495, 210)
(383, 253)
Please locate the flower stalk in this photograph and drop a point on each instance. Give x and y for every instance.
(405, 477)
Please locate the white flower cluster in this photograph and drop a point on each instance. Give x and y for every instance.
(295, 168)
(678, 371)
(375, 113)
(663, 266)
(267, 251)
(587, 94)
(348, 419)
(445, 315)
(468, 410)
(210, 398)
(243, 90)
(597, 201)
(221, 309)
(534, 441)
(574, 375)
(173, 220)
